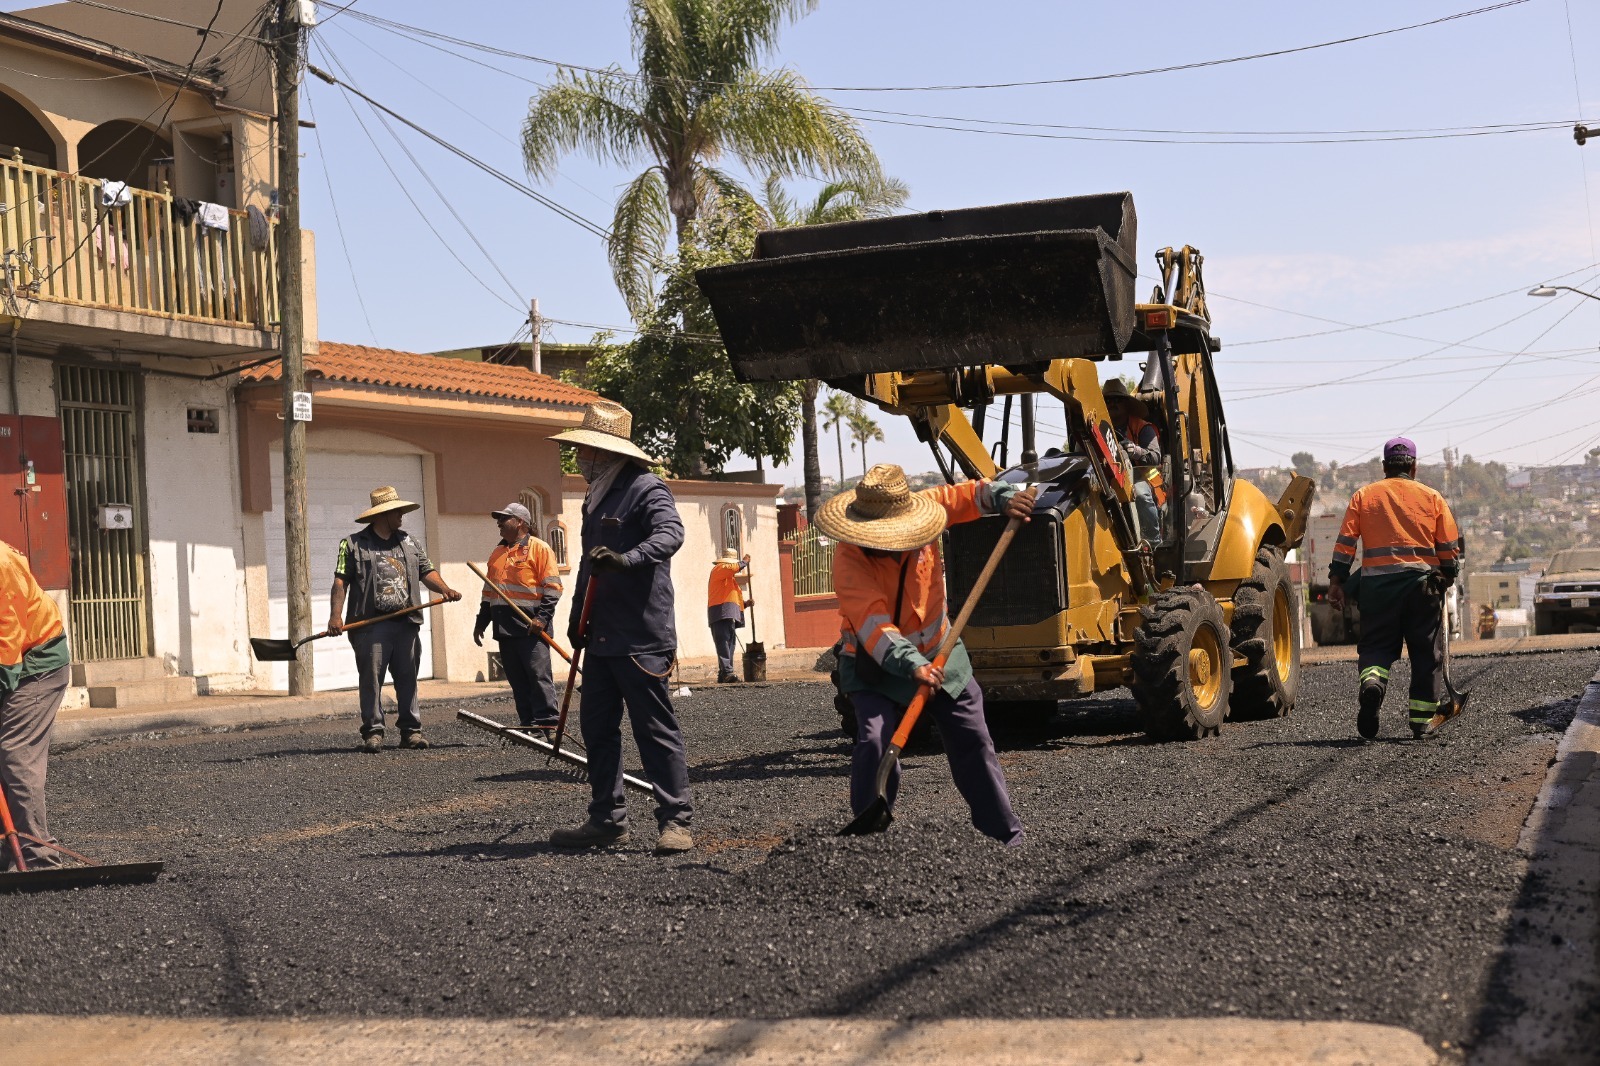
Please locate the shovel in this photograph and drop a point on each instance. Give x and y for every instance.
(273, 650)
(755, 653)
(876, 818)
(1455, 700)
(533, 627)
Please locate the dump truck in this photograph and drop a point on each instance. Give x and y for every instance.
(941, 317)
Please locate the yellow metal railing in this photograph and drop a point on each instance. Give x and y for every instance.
(813, 563)
(65, 245)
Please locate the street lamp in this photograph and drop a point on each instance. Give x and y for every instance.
(1552, 290)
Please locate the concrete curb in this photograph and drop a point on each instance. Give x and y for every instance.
(1551, 963)
(33, 1040)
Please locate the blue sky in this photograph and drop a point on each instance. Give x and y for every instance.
(1298, 239)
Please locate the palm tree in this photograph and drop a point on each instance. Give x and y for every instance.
(698, 95)
(839, 409)
(837, 201)
(863, 429)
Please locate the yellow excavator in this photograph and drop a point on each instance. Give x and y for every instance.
(941, 316)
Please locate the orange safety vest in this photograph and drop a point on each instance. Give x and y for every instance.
(28, 619)
(724, 585)
(526, 573)
(867, 586)
(1151, 474)
(1402, 525)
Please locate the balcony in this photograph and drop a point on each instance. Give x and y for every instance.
(134, 276)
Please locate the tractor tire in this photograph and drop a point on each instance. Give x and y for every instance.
(1182, 666)
(1266, 633)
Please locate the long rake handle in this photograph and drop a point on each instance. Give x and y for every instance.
(11, 832)
(908, 721)
(533, 626)
(572, 675)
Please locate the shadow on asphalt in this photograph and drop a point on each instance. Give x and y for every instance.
(352, 748)
(1330, 742)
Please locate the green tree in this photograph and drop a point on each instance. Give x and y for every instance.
(1304, 464)
(838, 201)
(697, 96)
(838, 411)
(862, 430)
(688, 408)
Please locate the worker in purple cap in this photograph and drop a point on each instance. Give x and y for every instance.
(1410, 554)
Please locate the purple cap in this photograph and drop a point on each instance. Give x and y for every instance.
(1399, 448)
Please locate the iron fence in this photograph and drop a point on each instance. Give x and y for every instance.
(813, 563)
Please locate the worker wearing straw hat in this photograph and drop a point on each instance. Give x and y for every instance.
(382, 569)
(631, 530)
(889, 578)
(725, 604)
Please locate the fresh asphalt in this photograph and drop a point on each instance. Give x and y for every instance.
(1283, 870)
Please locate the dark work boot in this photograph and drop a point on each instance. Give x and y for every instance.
(589, 835)
(1371, 699)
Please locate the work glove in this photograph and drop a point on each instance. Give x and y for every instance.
(1438, 581)
(477, 634)
(605, 559)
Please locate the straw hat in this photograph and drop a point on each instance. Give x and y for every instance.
(607, 426)
(730, 556)
(1115, 389)
(383, 500)
(882, 512)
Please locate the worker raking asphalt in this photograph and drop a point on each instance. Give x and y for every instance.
(1284, 869)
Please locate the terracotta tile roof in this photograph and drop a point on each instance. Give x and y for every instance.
(358, 364)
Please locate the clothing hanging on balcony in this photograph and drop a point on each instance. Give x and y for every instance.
(184, 209)
(213, 216)
(258, 227)
(115, 194)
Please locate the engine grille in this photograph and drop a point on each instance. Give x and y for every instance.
(1028, 586)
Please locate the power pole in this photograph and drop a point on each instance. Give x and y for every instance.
(533, 320)
(287, 36)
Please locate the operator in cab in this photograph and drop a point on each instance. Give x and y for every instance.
(1142, 441)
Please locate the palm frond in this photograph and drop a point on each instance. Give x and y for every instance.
(848, 199)
(595, 113)
(713, 186)
(770, 121)
(639, 232)
(736, 35)
(781, 208)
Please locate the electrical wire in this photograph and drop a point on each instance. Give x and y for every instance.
(416, 206)
(338, 220)
(615, 73)
(443, 199)
(207, 30)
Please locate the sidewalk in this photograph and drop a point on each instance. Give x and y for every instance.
(236, 710)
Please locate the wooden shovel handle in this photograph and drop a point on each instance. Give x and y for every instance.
(908, 720)
(382, 617)
(533, 626)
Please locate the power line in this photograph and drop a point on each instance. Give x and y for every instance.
(206, 30)
(615, 73)
(1540, 124)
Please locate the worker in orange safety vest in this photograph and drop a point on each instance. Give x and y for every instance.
(34, 673)
(525, 569)
(889, 578)
(725, 604)
(1410, 554)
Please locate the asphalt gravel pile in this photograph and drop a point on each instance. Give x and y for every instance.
(1283, 870)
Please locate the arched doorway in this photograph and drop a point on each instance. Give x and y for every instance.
(120, 150)
(20, 130)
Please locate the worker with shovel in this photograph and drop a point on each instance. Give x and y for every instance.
(34, 672)
(889, 578)
(383, 569)
(725, 604)
(522, 574)
(631, 530)
(1410, 554)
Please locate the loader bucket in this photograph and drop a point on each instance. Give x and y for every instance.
(1010, 284)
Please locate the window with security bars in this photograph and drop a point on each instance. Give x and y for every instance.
(732, 530)
(557, 539)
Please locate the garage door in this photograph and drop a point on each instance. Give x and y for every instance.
(338, 486)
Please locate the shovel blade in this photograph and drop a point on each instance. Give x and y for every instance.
(1447, 711)
(875, 819)
(271, 650)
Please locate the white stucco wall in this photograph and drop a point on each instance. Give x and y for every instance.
(199, 609)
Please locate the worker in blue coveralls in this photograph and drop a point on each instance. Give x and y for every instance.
(631, 530)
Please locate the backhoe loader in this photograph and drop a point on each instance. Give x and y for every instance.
(941, 316)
